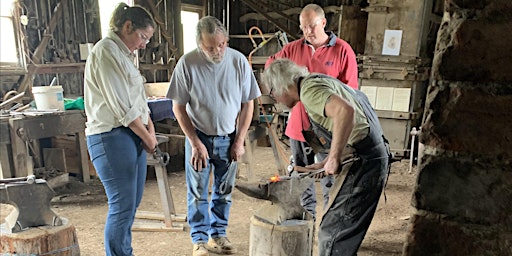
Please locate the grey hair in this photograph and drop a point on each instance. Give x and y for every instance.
(210, 26)
(316, 8)
(281, 74)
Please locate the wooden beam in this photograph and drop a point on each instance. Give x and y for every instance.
(146, 66)
(282, 27)
(290, 19)
(60, 68)
(292, 11)
(256, 16)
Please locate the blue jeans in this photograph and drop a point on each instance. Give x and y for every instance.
(210, 219)
(120, 162)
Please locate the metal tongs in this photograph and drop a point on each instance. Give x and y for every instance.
(162, 157)
(301, 175)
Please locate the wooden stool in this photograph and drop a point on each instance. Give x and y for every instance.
(169, 213)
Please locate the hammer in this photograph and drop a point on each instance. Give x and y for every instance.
(29, 180)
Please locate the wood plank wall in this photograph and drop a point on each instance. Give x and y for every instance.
(80, 23)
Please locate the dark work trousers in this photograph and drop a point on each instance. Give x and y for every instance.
(344, 224)
(303, 155)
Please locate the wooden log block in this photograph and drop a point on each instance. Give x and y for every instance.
(45, 240)
(291, 237)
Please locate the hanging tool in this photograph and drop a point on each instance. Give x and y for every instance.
(162, 157)
(303, 171)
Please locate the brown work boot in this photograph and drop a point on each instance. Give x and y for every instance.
(200, 249)
(221, 245)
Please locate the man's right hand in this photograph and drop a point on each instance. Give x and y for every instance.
(199, 157)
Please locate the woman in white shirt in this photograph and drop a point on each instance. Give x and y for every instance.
(119, 129)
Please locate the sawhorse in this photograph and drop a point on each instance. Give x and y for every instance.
(169, 215)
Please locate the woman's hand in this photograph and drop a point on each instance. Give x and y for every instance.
(150, 144)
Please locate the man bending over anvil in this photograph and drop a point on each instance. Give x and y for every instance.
(344, 125)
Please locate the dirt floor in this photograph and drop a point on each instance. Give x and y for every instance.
(85, 206)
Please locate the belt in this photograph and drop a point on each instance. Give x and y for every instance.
(214, 136)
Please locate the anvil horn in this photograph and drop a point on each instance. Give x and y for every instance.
(284, 194)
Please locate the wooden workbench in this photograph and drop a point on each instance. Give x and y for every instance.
(18, 130)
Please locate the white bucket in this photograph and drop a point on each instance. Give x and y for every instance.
(49, 97)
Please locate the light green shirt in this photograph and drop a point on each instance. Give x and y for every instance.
(314, 94)
(113, 87)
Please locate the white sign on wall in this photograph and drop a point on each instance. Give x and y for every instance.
(392, 42)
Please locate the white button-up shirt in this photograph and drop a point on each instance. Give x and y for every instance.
(113, 88)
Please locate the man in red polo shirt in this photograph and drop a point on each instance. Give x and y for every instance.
(321, 52)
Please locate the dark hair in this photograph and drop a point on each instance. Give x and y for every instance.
(139, 17)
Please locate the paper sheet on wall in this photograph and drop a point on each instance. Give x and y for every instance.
(401, 99)
(371, 93)
(392, 42)
(384, 98)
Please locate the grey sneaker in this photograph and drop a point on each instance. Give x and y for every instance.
(221, 245)
(200, 250)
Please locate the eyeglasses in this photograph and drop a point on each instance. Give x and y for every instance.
(271, 95)
(310, 26)
(212, 49)
(143, 37)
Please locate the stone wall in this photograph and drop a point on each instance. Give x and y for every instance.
(463, 196)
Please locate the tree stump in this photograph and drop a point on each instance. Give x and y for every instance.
(290, 238)
(44, 240)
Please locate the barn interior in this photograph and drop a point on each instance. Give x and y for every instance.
(437, 72)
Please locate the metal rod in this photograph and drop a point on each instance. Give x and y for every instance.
(227, 16)
(53, 81)
(3, 104)
(85, 21)
(73, 14)
(414, 132)
(38, 19)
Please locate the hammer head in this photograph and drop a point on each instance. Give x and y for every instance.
(285, 195)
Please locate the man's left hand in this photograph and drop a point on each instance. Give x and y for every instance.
(331, 166)
(237, 150)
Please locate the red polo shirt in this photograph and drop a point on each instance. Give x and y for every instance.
(336, 59)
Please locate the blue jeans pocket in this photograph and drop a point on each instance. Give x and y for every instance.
(95, 146)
